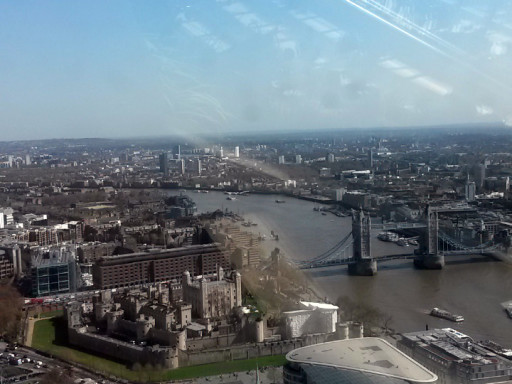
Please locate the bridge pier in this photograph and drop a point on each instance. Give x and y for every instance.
(429, 261)
(363, 267)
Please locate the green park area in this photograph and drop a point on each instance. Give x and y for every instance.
(50, 336)
(51, 314)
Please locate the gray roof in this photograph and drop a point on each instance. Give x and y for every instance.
(370, 355)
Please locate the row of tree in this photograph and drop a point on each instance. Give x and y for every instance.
(11, 304)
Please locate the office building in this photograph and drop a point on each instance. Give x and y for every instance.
(480, 176)
(243, 246)
(6, 216)
(199, 167)
(164, 163)
(10, 260)
(281, 159)
(330, 158)
(298, 159)
(470, 191)
(237, 151)
(182, 166)
(27, 160)
(6, 265)
(368, 360)
(53, 271)
(90, 252)
(158, 265)
(357, 199)
(455, 358)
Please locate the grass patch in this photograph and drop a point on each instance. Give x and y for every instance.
(51, 314)
(50, 336)
(223, 368)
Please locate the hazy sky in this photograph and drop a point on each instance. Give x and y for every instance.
(132, 68)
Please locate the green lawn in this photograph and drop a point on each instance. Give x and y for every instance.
(49, 336)
(51, 314)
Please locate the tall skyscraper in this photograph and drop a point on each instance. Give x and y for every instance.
(164, 163)
(298, 159)
(237, 151)
(182, 165)
(281, 159)
(221, 152)
(27, 160)
(480, 176)
(470, 190)
(199, 167)
(330, 158)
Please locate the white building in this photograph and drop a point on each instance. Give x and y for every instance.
(313, 318)
(237, 151)
(6, 216)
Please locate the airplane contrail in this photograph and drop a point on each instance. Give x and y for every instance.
(396, 27)
(412, 25)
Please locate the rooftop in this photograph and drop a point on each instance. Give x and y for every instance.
(319, 305)
(369, 355)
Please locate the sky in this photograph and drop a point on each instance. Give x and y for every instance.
(189, 67)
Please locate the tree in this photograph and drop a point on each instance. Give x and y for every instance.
(57, 375)
(10, 313)
(362, 312)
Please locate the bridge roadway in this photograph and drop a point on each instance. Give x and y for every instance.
(402, 225)
(381, 259)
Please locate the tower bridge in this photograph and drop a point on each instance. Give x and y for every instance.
(354, 250)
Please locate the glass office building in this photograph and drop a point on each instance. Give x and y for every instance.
(53, 271)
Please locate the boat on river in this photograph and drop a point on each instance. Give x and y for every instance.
(388, 236)
(446, 315)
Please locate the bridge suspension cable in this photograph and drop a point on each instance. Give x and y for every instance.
(333, 250)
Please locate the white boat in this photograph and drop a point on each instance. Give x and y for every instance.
(388, 236)
(446, 315)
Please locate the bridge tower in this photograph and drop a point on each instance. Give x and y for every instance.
(429, 257)
(364, 264)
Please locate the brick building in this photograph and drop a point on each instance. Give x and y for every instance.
(157, 266)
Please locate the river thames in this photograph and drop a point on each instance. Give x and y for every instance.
(470, 286)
